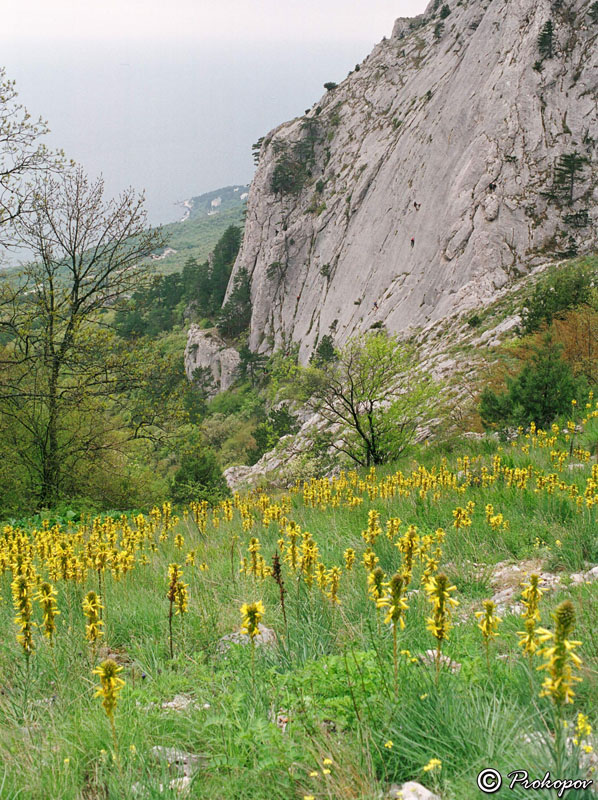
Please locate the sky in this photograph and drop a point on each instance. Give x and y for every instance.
(169, 96)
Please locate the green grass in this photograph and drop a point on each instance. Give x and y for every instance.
(197, 236)
(331, 673)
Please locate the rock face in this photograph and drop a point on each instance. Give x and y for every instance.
(207, 351)
(418, 185)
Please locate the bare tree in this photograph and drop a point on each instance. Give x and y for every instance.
(22, 155)
(374, 396)
(60, 361)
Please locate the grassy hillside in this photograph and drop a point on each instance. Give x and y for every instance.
(328, 711)
(196, 236)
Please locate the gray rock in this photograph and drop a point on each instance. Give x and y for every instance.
(266, 636)
(207, 350)
(410, 791)
(187, 763)
(182, 702)
(429, 660)
(461, 126)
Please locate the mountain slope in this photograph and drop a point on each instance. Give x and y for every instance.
(419, 185)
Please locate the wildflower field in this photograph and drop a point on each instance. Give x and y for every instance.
(386, 658)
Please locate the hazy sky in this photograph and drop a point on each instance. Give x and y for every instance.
(169, 95)
(201, 20)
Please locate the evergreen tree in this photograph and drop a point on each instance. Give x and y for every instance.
(236, 312)
(545, 40)
(223, 259)
(566, 173)
(543, 389)
(324, 352)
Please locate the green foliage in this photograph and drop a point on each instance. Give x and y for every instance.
(323, 688)
(279, 422)
(373, 392)
(566, 174)
(546, 39)
(296, 160)
(593, 12)
(289, 175)
(541, 392)
(162, 305)
(554, 295)
(438, 30)
(255, 150)
(284, 371)
(252, 366)
(236, 312)
(199, 477)
(330, 85)
(578, 219)
(444, 11)
(324, 353)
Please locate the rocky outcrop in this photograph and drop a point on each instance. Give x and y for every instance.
(209, 360)
(426, 180)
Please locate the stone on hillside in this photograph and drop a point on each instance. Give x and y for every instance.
(266, 636)
(207, 351)
(429, 660)
(187, 763)
(182, 702)
(410, 791)
(435, 190)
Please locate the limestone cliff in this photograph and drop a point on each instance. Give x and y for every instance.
(430, 177)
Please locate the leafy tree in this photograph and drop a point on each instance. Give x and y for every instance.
(444, 11)
(376, 395)
(288, 176)
(555, 295)
(543, 389)
(546, 40)
(324, 352)
(61, 362)
(236, 312)
(157, 307)
(22, 156)
(199, 477)
(279, 422)
(330, 85)
(252, 366)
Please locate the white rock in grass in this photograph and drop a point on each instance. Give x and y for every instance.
(429, 659)
(410, 791)
(180, 702)
(187, 763)
(265, 636)
(179, 785)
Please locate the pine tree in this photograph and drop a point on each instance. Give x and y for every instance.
(236, 312)
(543, 390)
(545, 40)
(566, 172)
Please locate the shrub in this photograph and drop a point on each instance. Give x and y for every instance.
(542, 391)
(554, 295)
(444, 11)
(199, 477)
